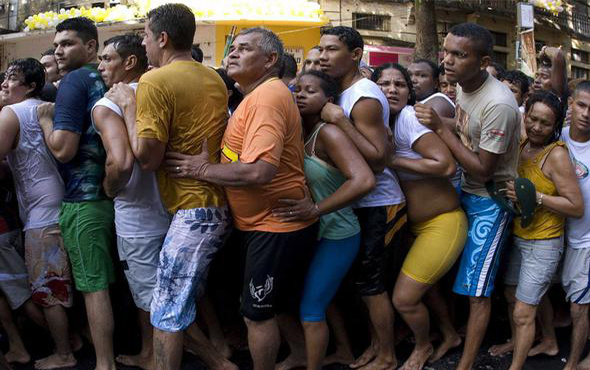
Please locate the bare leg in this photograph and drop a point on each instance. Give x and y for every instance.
(437, 304)
(407, 299)
(381, 316)
(479, 317)
(216, 335)
(317, 336)
(343, 353)
(144, 359)
(264, 340)
(579, 315)
(57, 321)
(548, 345)
(501, 349)
(16, 348)
(100, 320)
(167, 349)
(370, 352)
(524, 335)
(34, 313)
(4, 365)
(205, 350)
(291, 330)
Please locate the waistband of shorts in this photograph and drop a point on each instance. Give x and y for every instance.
(205, 213)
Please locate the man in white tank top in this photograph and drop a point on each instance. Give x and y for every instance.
(141, 221)
(40, 190)
(576, 264)
(363, 114)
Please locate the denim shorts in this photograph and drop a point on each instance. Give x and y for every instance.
(532, 264)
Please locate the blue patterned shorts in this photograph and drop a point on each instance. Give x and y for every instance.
(195, 235)
(489, 228)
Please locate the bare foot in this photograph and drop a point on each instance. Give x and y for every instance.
(548, 348)
(222, 346)
(418, 358)
(381, 364)
(501, 349)
(56, 361)
(76, 342)
(141, 361)
(444, 347)
(18, 356)
(365, 358)
(226, 365)
(291, 362)
(342, 358)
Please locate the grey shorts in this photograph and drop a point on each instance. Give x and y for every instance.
(14, 281)
(532, 264)
(574, 278)
(139, 257)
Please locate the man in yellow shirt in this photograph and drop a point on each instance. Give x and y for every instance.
(179, 105)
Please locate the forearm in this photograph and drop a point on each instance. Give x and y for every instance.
(115, 178)
(230, 174)
(425, 166)
(560, 205)
(375, 157)
(129, 117)
(350, 191)
(558, 74)
(469, 161)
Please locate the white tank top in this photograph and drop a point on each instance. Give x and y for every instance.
(138, 208)
(387, 191)
(438, 95)
(406, 132)
(39, 187)
(578, 229)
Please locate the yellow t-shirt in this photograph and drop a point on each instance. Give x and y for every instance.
(181, 104)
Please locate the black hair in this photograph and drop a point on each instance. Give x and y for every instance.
(177, 20)
(481, 37)
(47, 52)
(501, 71)
(197, 53)
(433, 67)
(517, 78)
(84, 27)
(347, 35)
(289, 68)
(32, 70)
(582, 86)
(552, 101)
(327, 83)
(379, 70)
(236, 97)
(130, 44)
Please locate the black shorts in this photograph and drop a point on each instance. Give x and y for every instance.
(274, 271)
(378, 226)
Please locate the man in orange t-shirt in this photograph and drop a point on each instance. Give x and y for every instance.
(262, 162)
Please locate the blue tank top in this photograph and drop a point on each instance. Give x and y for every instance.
(323, 180)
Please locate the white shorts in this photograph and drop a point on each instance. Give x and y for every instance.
(575, 274)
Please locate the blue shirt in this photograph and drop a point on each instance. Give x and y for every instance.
(77, 93)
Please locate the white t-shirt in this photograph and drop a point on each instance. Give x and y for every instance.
(578, 229)
(405, 133)
(139, 211)
(387, 191)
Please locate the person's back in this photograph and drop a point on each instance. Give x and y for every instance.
(190, 107)
(252, 205)
(39, 187)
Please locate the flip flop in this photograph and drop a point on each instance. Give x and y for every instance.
(527, 200)
(499, 198)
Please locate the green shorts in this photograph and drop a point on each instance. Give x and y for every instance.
(87, 230)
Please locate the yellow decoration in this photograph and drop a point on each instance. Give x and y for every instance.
(554, 6)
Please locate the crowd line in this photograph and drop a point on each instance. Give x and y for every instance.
(141, 158)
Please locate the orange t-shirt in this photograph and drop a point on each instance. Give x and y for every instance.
(266, 126)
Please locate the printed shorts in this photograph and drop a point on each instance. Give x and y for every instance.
(194, 236)
(489, 228)
(48, 267)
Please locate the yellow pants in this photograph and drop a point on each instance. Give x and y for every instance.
(439, 242)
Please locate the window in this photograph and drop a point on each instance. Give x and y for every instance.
(371, 22)
(578, 72)
(500, 57)
(499, 38)
(580, 56)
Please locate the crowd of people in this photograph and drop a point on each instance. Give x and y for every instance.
(400, 189)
